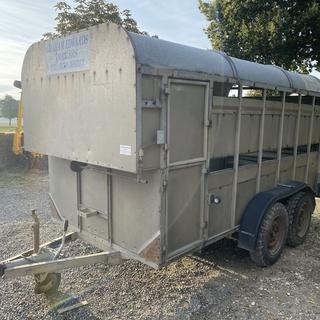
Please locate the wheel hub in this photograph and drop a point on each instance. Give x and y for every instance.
(275, 235)
(302, 220)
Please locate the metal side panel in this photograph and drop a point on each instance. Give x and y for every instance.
(300, 173)
(151, 120)
(286, 169)
(94, 196)
(134, 209)
(186, 117)
(250, 125)
(183, 208)
(220, 214)
(94, 189)
(85, 113)
(136, 215)
(272, 122)
(304, 129)
(63, 189)
(316, 129)
(223, 125)
(312, 174)
(246, 191)
(289, 130)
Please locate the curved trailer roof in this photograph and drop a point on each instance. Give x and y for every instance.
(164, 54)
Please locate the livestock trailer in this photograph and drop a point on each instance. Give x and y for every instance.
(157, 149)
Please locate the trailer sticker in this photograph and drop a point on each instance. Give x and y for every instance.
(125, 150)
(68, 54)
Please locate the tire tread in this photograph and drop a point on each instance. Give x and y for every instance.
(292, 239)
(259, 255)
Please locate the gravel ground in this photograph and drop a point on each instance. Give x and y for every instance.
(220, 284)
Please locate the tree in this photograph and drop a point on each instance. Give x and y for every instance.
(9, 108)
(87, 13)
(281, 32)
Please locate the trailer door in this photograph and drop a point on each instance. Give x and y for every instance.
(187, 141)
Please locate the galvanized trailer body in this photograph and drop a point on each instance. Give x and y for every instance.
(164, 160)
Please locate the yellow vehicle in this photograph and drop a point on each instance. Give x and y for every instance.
(17, 140)
(17, 147)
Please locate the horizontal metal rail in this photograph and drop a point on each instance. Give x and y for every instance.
(112, 258)
(51, 244)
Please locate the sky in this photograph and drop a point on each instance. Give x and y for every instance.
(23, 22)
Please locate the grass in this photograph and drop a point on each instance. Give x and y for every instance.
(7, 129)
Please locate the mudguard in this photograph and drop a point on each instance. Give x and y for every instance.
(258, 206)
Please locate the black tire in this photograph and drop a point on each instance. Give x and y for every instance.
(300, 208)
(272, 236)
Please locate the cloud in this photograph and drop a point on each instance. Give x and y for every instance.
(22, 22)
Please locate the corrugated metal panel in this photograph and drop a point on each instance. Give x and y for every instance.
(255, 72)
(311, 83)
(164, 54)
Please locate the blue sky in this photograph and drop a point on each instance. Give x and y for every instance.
(22, 22)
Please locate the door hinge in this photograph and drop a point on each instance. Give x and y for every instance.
(164, 186)
(208, 123)
(205, 225)
(140, 155)
(166, 90)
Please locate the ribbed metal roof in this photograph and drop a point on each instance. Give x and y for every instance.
(164, 54)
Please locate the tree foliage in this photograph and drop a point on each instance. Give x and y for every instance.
(281, 32)
(87, 13)
(9, 108)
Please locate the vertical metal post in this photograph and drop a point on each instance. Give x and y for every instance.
(236, 158)
(36, 232)
(280, 138)
(164, 229)
(318, 172)
(204, 216)
(261, 139)
(296, 142)
(79, 200)
(138, 109)
(310, 140)
(109, 206)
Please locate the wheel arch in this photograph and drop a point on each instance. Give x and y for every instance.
(258, 206)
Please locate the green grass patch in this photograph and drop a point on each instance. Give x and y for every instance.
(7, 129)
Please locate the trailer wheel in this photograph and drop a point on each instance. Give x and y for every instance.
(300, 208)
(272, 236)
